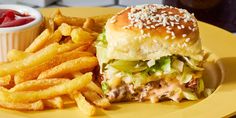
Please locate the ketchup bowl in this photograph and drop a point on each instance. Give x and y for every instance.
(19, 26)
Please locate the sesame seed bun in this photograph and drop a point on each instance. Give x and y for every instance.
(151, 31)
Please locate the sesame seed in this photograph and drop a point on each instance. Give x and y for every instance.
(151, 16)
(168, 31)
(187, 39)
(152, 26)
(184, 35)
(167, 37)
(190, 28)
(172, 34)
(179, 27)
(184, 45)
(168, 28)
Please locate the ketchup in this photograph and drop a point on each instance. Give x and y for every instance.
(12, 18)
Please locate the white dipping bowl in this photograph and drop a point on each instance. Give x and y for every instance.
(19, 37)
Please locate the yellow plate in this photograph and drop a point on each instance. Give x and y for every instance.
(220, 104)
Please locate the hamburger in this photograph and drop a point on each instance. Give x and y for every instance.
(151, 52)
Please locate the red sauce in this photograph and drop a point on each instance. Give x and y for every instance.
(12, 18)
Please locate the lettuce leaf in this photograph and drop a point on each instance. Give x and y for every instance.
(190, 95)
(105, 87)
(165, 63)
(101, 50)
(129, 66)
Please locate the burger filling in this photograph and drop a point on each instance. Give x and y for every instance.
(172, 77)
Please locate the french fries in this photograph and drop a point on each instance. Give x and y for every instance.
(35, 106)
(39, 42)
(34, 85)
(33, 60)
(91, 86)
(49, 24)
(69, 67)
(71, 46)
(96, 99)
(100, 21)
(67, 100)
(15, 55)
(89, 23)
(79, 35)
(83, 104)
(94, 87)
(54, 38)
(55, 71)
(75, 21)
(57, 90)
(33, 73)
(5, 80)
(65, 29)
(55, 103)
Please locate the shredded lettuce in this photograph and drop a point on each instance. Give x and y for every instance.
(178, 65)
(165, 63)
(105, 87)
(186, 75)
(140, 79)
(101, 50)
(102, 38)
(129, 66)
(192, 65)
(190, 95)
(200, 87)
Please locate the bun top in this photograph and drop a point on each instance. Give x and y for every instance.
(152, 31)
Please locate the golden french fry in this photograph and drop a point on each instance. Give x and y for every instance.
(76, 74)
(94, 87)
(100, 21)
(96, 99)
(15, 55)
(33, 72)
(91, 86)
(69, 67)
(34, 85)
(71, 46)
(23, 106)
(75, 21)
(65, 29)
(57, 90)
(83, 104)
(92, 49)
(55, 13)
(5, 80)
(54, 38)
(67, 100)
(49, 23)
(89, 23)
(55, 102)
(79, 35)
(39, 42)
(33, 60)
